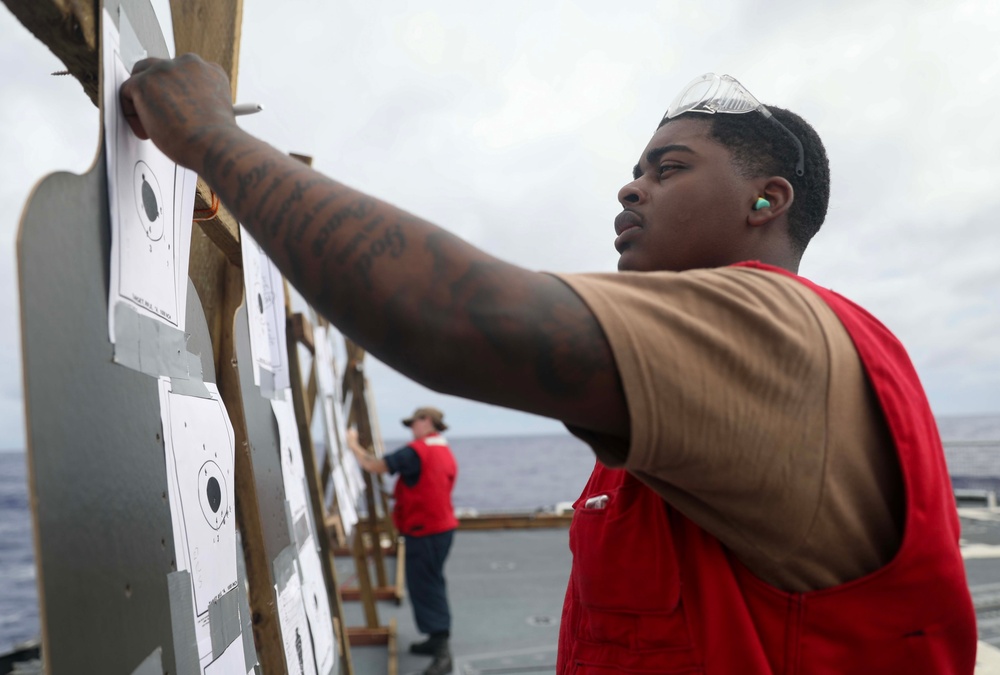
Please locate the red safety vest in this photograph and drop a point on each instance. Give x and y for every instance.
(651, 592)
(426, 508)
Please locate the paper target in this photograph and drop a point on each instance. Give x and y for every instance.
(265, 301)
(295, 636)
(293, 474)
(148, 200)
(317, 606)
(200, 446)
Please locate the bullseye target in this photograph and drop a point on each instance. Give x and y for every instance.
(212, 494)
(148, 200)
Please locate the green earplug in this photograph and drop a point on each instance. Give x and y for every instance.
(761, 204)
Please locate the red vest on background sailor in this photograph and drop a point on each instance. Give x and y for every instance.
(651, 592)
(426, 507)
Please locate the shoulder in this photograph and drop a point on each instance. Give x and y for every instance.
(706, 307)
(731, 285)
(404, 460)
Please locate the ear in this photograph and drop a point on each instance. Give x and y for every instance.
(779, 192)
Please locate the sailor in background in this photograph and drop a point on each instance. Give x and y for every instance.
(423, 513)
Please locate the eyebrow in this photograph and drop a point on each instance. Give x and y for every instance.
(655, 154)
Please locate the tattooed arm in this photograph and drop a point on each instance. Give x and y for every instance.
(420, 299)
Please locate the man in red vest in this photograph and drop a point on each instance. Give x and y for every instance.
(771, 494)
(424, 515)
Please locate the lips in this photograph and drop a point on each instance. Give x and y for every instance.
(628, 224)
(627, 220)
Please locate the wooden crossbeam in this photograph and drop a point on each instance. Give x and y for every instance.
(500, 521)
(69, 29)
(355, 594)
(221, 228)
(302, 332)
(368, 637)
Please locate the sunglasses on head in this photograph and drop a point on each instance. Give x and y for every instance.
(713, 94)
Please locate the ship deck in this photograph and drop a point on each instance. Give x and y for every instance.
(506, 590)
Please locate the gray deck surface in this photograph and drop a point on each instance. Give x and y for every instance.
(981, 531)
(506, 590)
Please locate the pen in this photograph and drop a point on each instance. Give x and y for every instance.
(247, 108)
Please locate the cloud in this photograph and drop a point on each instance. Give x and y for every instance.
(515, 125)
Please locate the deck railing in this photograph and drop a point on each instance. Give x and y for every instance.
(974, 467)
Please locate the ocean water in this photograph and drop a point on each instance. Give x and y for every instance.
(524, 473)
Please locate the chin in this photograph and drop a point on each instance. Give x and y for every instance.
(628, 261)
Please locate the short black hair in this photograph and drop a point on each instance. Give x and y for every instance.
(760, 148)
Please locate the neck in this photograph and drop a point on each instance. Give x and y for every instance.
(778, 254)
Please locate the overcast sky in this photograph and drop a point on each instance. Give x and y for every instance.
(514, 125)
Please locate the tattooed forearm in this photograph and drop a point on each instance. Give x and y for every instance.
(284, 210)
(357, 209)
(392, 242)
(232, 159)
(216, 151)
(298, 232)
(419, 298)
(278, 184)
(249, 181)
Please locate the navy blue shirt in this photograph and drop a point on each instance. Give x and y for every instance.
(405, 462)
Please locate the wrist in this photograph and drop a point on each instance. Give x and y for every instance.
(204, 147)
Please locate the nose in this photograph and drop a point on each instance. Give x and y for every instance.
(631, 194)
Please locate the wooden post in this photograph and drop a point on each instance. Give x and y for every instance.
(359, 416)
(211, 28)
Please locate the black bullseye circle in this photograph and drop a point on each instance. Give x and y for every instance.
(214, 494)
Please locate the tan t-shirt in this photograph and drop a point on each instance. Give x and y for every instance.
(751, 414)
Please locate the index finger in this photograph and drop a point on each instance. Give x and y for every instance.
(145, 64)
(125, 100)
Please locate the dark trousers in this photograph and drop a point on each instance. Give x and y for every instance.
(425, 583)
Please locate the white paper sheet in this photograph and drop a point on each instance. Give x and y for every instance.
(317, 605)
(265, 296)
(312, 582)
(151, 202)
(325, 367)
(293, 472)
(345, 500)
(199, 449)
(355, 478)
(294, 629)
(328, 392)
(200, 446)
(230, 662)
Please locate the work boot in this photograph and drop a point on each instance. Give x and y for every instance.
(432, 645)
(428, 647)
(441, 665)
